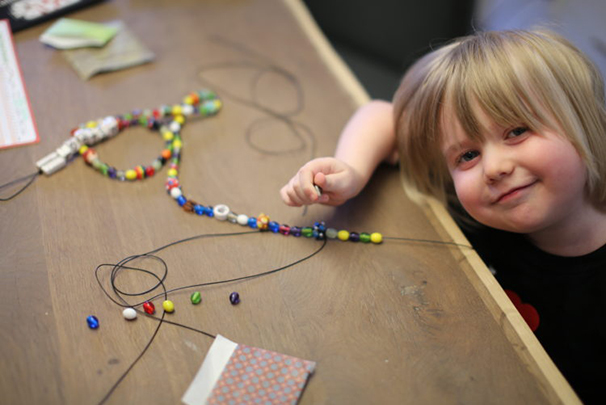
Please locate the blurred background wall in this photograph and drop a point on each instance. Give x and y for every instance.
(379, 39)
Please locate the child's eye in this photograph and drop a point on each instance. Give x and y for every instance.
(516, 132)
(468, 156)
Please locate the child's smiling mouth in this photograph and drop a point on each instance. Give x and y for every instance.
(513, 193)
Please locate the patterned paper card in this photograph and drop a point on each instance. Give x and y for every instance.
(240, 374)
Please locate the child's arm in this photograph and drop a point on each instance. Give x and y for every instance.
(367, 140)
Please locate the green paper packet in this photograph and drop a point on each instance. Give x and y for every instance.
(68, 33)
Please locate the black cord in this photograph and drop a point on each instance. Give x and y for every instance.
(31, 178)
(117, 268)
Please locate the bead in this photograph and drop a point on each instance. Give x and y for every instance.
(307, 232)
(172, 173)
(196, 298)
(242, 219)
(273, 226)
(232, 217)
(140, 171)
(171, 183)
(262, 222)
(285, 229)
(295, 231)
(252, 222)
(167, 135)
(175, 192)
(149, 307)
(180, 119)
(168, 306)
(181, 200)
(376, 237)
(364, 237)
(234, 298)
(166, 154)
(176, 109)
(343, 235)
(92, 322)
(354, 237)
(320, 226)
(331, 233)
(177, 143)
(157, 164)
(198, 209)
(210, 211)
(174, 126)
(149, 171)
(129, 314)
(221, 211)
(130, 175)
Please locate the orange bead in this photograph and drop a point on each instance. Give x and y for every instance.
(166, 154)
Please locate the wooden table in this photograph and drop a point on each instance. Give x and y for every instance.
(400, 322)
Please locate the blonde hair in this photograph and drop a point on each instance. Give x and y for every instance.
(535, 78)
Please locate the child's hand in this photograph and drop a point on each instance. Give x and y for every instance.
(339, 182)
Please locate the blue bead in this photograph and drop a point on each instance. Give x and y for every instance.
(198, 209)
(295, 231)
(181, 200)
(252, 222)
(92, 322)
(234, 298)
(210, 212)
(320, 226)
(273, 226)
(111, 172)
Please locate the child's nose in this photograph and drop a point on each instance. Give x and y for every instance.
(496, 165)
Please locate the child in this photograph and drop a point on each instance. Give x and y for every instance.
(509, 130)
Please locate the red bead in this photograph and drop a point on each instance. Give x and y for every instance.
(149, 171)
(284, 230)
(157, 113)
(149, 307)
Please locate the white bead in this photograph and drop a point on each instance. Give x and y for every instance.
(221, 212)
(129, 314)
(175, 192)
(242, 219)
(174, 127)
(187, 109)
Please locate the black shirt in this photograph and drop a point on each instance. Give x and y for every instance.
(569, 295)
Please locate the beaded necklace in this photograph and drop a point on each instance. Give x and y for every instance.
(168, 121)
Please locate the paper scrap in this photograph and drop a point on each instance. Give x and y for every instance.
(241, 374)
(122, 52)
(17, 126)
(69, 33)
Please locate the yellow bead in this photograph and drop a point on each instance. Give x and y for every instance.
(168, 136)
(130, 175)
(376, 237)
(168, 306)
(91, 124)
(180, 119)
(218, 104)
(188, 100)
(176, 110)
(83, 149)
(172, 173)
(177, 144)
(343, 235)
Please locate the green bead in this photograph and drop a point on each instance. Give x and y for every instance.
(104, 169)
(307, 232)
(365, 237)
(196, 298)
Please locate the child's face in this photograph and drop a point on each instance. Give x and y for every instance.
(515, 179)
